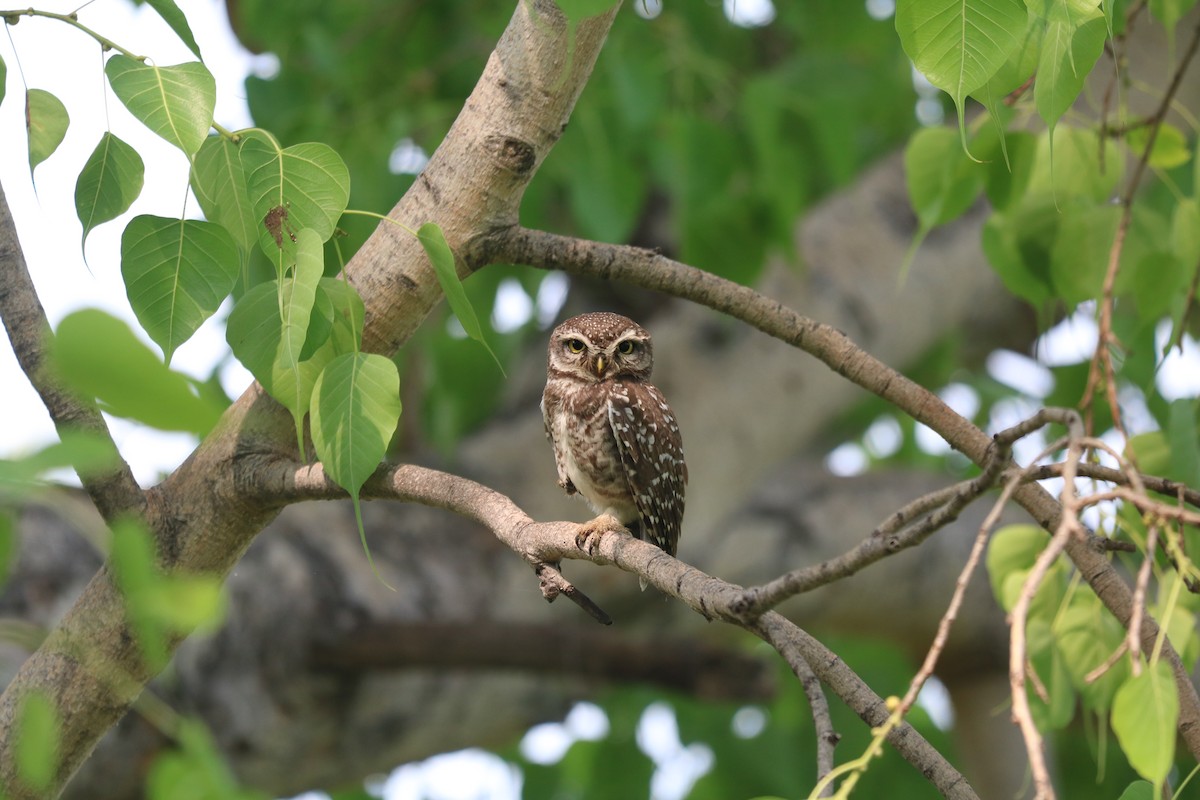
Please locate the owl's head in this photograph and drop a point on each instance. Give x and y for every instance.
(600, 346)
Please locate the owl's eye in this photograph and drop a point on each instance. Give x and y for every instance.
(626, 347)
(575, 345)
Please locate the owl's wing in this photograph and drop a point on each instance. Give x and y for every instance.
(652, 454)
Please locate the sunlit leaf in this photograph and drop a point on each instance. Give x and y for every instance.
(46, 122)
(98, 356)
(110, 181)
(958, 45)
(177, 273)
(1069, 51)
(1138, 790)
(175, 102)
(302, 186)
(1170, 148)
(173, 16)
(1144, 714)
(1013, 549)
(37, 741)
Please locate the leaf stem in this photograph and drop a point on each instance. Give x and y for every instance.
(383, 217)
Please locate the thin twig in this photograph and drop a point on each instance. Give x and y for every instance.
(1101, 369)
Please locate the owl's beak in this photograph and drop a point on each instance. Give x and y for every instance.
(600, 362)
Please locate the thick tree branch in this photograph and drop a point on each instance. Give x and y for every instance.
(115, 491)
(548, 542)
(651, 270)
(681, 665)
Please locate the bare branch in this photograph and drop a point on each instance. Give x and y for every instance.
(114, 492)
(548, 542)
(650, 270)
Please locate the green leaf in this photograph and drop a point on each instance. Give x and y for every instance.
(1079, 259)
(183, 604)
(942, 181)
(219, 182)
(354, 412)
(302, 186)
(958, 45)
(37, 741)
(1048, 662)
(1072, 171)
(195, 771)
(1013, 550)
(46, 122)
(1185, 231)
(174, 17)
(1069, 51)
(1138, 790)
(110, 181)
(269, 328)
(442, 258)
(298, 296)
(1152, 451)
(1018, 244)
(355, 408)
(1087, 636)
(89, 454)
(175, 102)
(1170, 148)
(1185, 442)
(177, 273)
(1144, 714)
(3, 78)
(98, 356)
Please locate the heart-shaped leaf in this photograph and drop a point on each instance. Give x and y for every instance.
(177, 273)
(110, 181)
(1144, 714)
(355, 409)
(175, 102)
(302, 186)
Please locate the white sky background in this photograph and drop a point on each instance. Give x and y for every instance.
(69, 64)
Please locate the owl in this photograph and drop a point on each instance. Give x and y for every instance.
(615, 439)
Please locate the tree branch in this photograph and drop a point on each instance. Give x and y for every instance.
(115, 491)
(549, 542)
(650, 270)
(682, 665)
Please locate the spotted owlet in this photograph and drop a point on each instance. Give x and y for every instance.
(615, 439)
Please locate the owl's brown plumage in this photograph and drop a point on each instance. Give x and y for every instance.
(615, 439)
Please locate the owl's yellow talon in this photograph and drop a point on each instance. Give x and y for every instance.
(588, 537)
